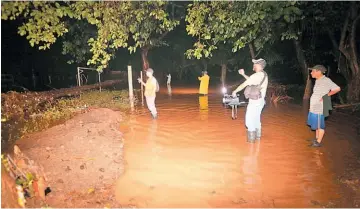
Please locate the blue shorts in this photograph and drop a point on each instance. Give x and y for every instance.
(316, 121)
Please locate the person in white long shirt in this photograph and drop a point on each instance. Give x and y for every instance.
(168, 79)
(255, 106)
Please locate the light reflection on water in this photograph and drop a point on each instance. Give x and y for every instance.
(195, 155)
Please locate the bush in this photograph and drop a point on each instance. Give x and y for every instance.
(22, 114)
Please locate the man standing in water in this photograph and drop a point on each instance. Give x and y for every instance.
(323, 89)
(255, 105)
(204, 83)
(168, 79)
(151, 87)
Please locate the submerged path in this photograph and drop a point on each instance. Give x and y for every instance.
(194, 155)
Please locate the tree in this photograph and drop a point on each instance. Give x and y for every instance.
(240, 23)
(223, 57)
(328, 19)
(75, 43)
(243, 23)
(123, 24)
(348, 47)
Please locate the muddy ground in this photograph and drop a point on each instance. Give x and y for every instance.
(81, 158)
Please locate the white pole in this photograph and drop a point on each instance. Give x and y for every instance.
(78, 77)
(131, 90)
(142, 89)
(99, 81)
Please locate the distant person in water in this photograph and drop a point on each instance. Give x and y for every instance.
(320, 102)
(168, 79)
(204, 83)
(151, 87)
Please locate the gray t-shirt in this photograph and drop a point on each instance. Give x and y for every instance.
(322, 87)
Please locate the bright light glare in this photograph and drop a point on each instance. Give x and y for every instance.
(223, 90)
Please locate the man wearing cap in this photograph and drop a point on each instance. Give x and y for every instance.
(324, 86)
(204, 83)
(255, 106)
(151, 87)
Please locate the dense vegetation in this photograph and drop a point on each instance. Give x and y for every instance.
(216, 33)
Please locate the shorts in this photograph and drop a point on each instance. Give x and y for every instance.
(316, 121)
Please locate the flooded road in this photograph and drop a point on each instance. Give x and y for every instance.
(195, 155)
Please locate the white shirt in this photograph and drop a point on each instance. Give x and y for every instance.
(255, 79)
(169, 78)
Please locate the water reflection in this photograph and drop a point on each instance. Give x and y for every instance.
(155, 147)
(169, 89)
(204, 107)
(186, 151)
(318, 158)
(250, 166)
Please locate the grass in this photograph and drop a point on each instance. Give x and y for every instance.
(22, 115)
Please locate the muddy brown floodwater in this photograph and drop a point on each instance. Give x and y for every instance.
(195, 155)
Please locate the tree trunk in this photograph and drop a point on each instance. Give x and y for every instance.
(144, 58)
(252, 51)
(355, 16)
(353, 89)
(341, 60)
(204, 64)
(353, 92)
(223, 74)
(304, 68)
(348, 48)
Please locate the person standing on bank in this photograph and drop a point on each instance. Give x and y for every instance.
(204, 83)
(256, 86)
(151, 87)
(320, 102)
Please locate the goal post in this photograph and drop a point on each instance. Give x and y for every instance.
(82, 78)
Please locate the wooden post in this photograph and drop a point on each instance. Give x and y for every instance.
(78, 76)
(131, 90)
(99, 81)
(142, 89)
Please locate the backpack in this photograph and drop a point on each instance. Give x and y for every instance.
(253, 91)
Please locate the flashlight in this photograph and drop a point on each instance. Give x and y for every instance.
(223, 90)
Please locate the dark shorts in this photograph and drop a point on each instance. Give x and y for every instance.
(316, 121)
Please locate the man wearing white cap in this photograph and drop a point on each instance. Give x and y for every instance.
(256, 85)
(151, 87)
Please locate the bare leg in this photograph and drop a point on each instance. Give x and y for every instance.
(317, 133)
(321, 133)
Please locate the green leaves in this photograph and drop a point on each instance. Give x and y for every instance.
(115, 23)
(237, 22)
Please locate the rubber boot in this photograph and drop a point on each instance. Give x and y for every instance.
(258, 133)
(154, 116)
(251, 136)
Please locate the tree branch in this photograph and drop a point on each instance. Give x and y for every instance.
(343, 36)
(252, 52)
(150, 46)
(332, 39)
(353, 46)
(258, 52)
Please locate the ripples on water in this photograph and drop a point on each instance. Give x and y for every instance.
(195, 155)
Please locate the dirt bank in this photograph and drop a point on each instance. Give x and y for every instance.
(81, 158)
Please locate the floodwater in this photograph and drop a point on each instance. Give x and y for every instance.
(195, 155)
